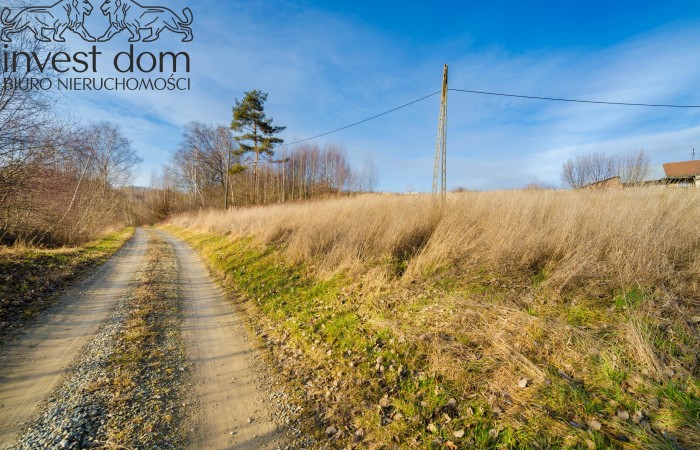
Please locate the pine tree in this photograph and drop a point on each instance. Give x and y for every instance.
(258, 133)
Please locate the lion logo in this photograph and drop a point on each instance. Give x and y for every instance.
(129, 15)
(56, 19)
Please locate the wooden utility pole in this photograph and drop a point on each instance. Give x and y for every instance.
(440, 168)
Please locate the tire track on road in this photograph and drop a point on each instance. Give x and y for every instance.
(34, 364)
(231, 412)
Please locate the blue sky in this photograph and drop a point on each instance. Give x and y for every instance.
(327, 64)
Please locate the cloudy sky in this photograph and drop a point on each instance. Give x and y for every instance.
(326, 64)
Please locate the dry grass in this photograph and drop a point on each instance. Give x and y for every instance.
(629, 238)
(591, 296)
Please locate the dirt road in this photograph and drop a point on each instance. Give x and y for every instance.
(232, 414)
(228, 411)
(33, 365)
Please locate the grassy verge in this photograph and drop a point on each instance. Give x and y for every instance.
(31, 278)
(144, 372)
(472, 358)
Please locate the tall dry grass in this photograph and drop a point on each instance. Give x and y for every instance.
(647, 237)
(551, 286)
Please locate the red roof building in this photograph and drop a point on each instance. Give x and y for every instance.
(685, 169)
(682, 174)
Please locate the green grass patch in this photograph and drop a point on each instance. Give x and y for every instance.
(629, 299)
(583, 316)
(683, 405)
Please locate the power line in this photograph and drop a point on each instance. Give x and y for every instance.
(362, 121)
(499, 94)
(532, 97)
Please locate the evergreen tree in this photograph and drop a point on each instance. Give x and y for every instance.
(258, 133)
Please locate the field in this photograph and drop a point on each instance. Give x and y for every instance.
(514, 319)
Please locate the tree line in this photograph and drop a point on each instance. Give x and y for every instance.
(632, 168)
(60, 182)
(65, 183)
(246, 164)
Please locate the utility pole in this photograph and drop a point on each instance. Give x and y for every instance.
(693, 153)
(440, 168)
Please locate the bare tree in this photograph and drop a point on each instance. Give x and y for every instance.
(22, 110)
(206, 162)
(57, 181)
(369, 176)
(538, 185)
(32, 141)
(208, 165)
(28, 136)
(590, 168)
(633, 167)
(63, 189)
(112, 159)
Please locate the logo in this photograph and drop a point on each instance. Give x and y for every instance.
(55, 20)
(47, 67)
(129, 15)
(48, 23)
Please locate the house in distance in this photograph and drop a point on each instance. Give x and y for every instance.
(682, 174)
